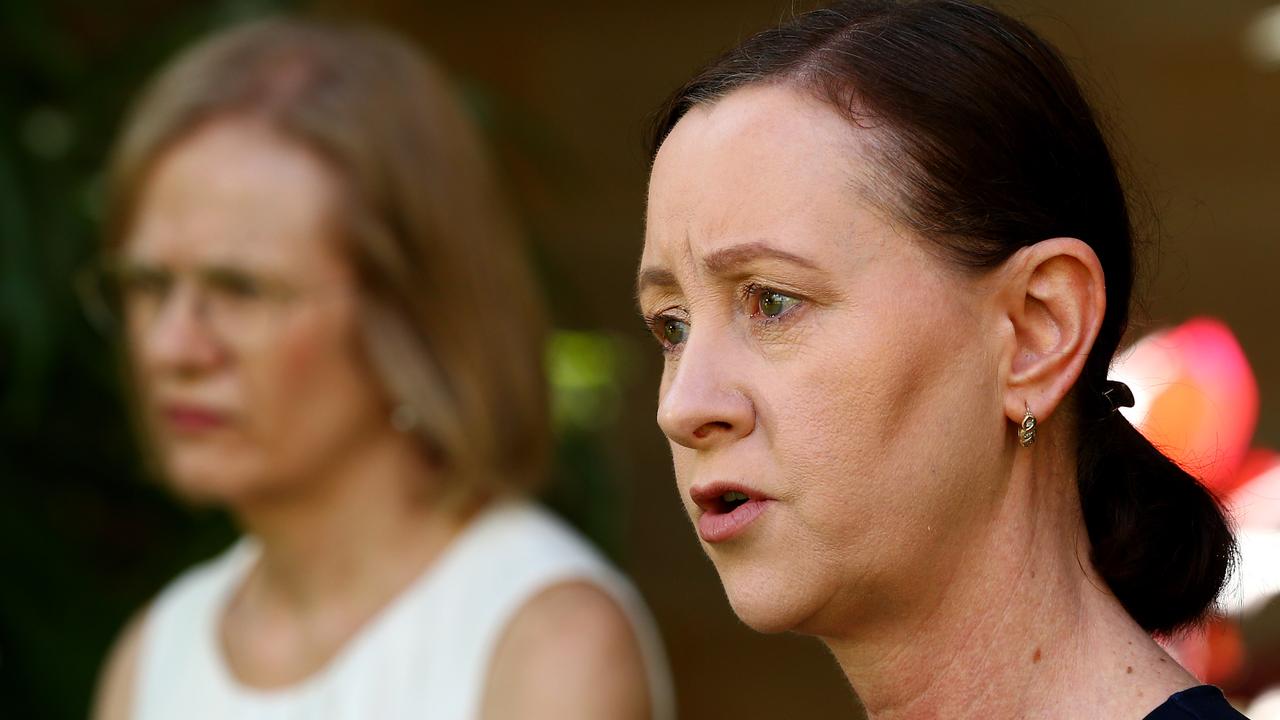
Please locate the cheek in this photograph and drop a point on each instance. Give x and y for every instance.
(880, 451)
(311, 390)
(303, 356)
(307, 354)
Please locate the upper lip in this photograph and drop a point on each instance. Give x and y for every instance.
(709, 496)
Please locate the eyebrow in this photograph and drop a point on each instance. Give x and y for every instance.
(655, 277)
(721, 262)
(725, 259)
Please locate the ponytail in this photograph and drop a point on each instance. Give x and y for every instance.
(986, 144)
(1160, 538)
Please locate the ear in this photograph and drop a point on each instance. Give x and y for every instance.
(1055, 298)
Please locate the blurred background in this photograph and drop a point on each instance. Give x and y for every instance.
(1191, 91)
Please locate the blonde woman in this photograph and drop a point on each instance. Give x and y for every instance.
(331, 333)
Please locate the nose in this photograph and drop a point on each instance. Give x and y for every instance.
(703, 404)
(178, 339)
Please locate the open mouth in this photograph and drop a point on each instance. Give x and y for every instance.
(727, 511)
(720, 498)
(728, 502)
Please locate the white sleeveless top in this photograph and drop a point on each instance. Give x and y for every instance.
(425, 655)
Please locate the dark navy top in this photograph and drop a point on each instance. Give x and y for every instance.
(1203, 702)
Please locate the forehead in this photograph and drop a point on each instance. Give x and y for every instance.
(235, 192)
(767, 163)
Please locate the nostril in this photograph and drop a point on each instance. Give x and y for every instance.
(705, 430)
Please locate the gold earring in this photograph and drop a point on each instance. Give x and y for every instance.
(1027, 433)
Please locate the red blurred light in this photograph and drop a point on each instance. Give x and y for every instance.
(1197, 399)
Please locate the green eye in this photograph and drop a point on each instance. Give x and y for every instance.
(674, 331)
(773, 304)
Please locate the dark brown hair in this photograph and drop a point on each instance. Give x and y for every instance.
(988, 145)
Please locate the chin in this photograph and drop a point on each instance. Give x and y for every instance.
(767, 601)
(210, 489)
(204, 479)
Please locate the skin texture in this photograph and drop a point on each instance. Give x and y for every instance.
(349, 511)
(876, 406)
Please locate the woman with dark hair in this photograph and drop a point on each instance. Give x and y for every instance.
(333, 334)
(889, 260)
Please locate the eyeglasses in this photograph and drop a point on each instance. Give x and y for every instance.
(241, 307)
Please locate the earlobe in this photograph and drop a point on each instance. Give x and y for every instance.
(1057, 299)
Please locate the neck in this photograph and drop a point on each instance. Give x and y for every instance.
(368, 524)
(1021, 627)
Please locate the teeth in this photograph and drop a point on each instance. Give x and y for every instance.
(734, 496)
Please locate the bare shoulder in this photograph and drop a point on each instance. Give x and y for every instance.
(114, 696)
(570, 652)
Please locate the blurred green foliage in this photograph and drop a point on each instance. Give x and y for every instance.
(587, 371)
(85, 538)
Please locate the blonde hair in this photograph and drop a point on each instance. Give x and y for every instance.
(450, 320)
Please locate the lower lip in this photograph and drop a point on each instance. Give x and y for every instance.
(716, 527)
(194, 421)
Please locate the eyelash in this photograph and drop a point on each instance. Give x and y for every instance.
(655, 322)
(750, 293)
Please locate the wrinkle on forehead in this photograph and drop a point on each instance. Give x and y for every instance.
(658, 272)
(762, 162)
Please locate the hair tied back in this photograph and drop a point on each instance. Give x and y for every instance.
(1116, 395)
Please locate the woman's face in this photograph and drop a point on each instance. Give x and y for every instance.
(240, 317)
(819, 361)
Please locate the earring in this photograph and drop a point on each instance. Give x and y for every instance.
(1027, 433)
